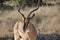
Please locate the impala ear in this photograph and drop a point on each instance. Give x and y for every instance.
(32, 16)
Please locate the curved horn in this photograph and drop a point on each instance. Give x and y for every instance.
(34, 9)
(21, 13)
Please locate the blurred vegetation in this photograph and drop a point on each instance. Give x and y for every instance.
(11, 4)
(29, 3)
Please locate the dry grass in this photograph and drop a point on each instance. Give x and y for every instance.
(46, 21)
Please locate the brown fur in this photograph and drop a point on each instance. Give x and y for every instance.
(29, 34)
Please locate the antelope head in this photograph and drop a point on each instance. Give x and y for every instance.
(28, 18)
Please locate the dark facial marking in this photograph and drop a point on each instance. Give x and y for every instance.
(26, 24)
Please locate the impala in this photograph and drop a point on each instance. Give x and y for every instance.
(24, 29)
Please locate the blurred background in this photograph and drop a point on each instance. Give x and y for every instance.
(46, 20)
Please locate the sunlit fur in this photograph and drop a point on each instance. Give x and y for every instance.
(29, 34)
